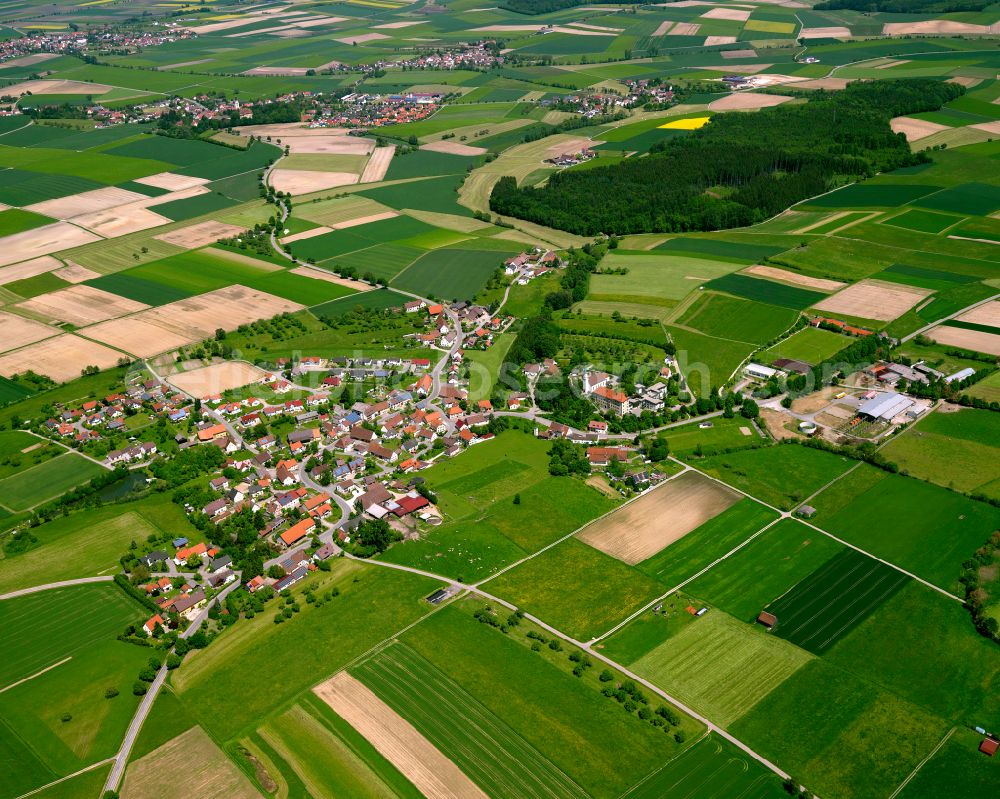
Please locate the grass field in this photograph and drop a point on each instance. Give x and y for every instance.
(20, 450)
(499, 760)
(765, 569)
(373, 604)
(927, 530)
(987, 389)
(711, 769)
(48, 480)
(923, 221)
(810, 344)
(576, 588)
(766, 291)
(15, 220)
(839, 734)
(534, 693)
(959, 450)
(728, 434)
(825, 606)
(706, 361)
(90, 542)
(736, 319)
(721, 667)
(782, 476)
(451, 274)
(483, 529)
(655, 274)
(958, 768)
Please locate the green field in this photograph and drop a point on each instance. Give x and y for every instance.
(766, 291)
(782, 476)
(971, 199)
(576, 588)
(498, 759)
(958, 768)
(825, 606)
(736, 319)
(48, 480)
(811, 345)
(369, 300)
(705, 361)
(90, 542)
(14, 220)
(766, 568)
(959, 450)
(721, 667)
(711, 769)
(923, 221)
(872, 195)
(987, 389)
(925, 529)
(451, 273)
(653, 274)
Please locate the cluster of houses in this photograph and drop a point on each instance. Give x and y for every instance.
(605, 392)
(478, 324)
(526, 266)
(363, 111)
(572, 159)
(118, 40)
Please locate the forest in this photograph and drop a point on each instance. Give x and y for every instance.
(545, 6)
(905, 6)
(737, 170)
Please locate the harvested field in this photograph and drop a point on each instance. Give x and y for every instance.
(217, 377)
(42, 241)
(281, 72)
(74, 273)
(915, 129)
(874, 299)
(823, 83)
(281, 130)
(988, 127)
(968, 83)
(192, 765)
(741, 54)
(713, 40)
(29, 60)
(796, 279)
(240, 258)
(120, 221)
(319, 274)
(171, 181)
(462, 224)
(974, 340)
(302, 181)
(37, 266)
(60, 357)
(55, 87)
(378, 164)
(664, 28)
(307, 234)
(344, 212)
(731, 14)
(85, 203)
(396, 25)
(327, 145)
(745, 101)
(509, 28)
(453, 148)
(988, 315)
(831, 32)
(365, 37)
(194, 236)
(186, 321)
(80, 306)
(573, 144)
(936, 27)
(433, 774)
(656, 520)
(16, 331)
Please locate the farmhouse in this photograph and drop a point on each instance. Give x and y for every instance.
(768, 620)
(989, 746)
(885, 407)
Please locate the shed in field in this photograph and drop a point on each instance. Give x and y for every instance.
(767, 619)
(989, 746)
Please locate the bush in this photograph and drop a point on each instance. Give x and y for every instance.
(111, 693)
(139, 688)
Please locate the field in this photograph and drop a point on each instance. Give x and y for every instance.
(483, 530)
(871, 299)
(721, 667)
(48, 480)
(417, 759)
(835, 598)
(925, 529)
(659, 518)
(782, 476)
(956, 449)
(766, 291)
(373, 604)
(736, 319)
(61, 657)
(987, 389)
(811, 345)
(711, 769)
(191, 763)
(499, 760)
(452, 274)
(576, 588)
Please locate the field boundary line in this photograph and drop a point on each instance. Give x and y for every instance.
(680, 585)
(36, 674)
(580, 529)
(653, 773)
(61, 584)
(922, 763)
(84, 770)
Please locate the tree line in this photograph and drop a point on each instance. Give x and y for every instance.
(738, 170)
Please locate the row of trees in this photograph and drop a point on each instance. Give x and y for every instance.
(738, 170)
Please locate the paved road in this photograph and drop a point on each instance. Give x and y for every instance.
(60, 584)
(966, 309)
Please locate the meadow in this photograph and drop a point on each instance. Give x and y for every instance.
(721, 667)
(766, 291)
(451, 273)
(736, 319)
(46, 481)
(782, 476)
(811, 345)
(925, 529)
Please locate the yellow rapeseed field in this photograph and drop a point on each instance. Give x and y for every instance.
(686, 124)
